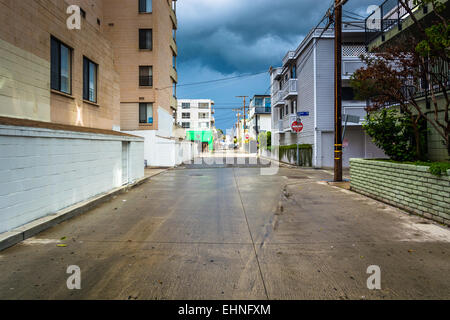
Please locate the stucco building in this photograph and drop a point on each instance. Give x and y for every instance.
(60, 142)
(143, 37)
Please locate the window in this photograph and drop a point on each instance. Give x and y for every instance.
(203, 105)
(145, 6)
(203, 115)
(287, 109)
(61, 67)
(204, 125)
(89, 80)
(145, 39)
(186, 125)
(347, 93)
(146, 113)
(268, 102)
(186, 115)
(258, 102)
(292, 107)
(281, 113)
(145, 76)
(186, 105)
(294, 72)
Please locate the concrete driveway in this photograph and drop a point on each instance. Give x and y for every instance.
(231, 233)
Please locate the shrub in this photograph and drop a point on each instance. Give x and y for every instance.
(392, 132)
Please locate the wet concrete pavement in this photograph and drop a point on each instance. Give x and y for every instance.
(231, 233)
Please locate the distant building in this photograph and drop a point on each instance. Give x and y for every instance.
(196, 116)
(303, 87)
(259, 115)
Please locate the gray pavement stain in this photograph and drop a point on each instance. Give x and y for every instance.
(230, 233)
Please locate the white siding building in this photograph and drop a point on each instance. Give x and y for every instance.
(305, 85)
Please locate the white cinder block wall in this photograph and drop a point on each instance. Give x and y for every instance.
(43, 171)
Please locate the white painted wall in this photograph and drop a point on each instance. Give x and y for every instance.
(43, 171)
(165, 152)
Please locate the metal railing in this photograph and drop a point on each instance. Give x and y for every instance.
(277, 99)
(263, 109)
(289, 88)
(388, 15)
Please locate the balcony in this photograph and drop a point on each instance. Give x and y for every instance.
(389, 19)
(289, 89)
(263, 110)
(277, 99)
(173, 74)
(174, 46)
(173, 102)
(290, 55)
(173, 16)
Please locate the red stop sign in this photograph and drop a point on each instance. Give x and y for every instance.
(297, 126)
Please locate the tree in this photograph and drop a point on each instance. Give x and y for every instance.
(396, 75)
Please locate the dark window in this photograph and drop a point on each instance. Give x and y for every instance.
(145, 39)
(145, 6)
(186, 115)
(61, 67)
(145, 76)
(186, 125)
(347, 93)
(294, 72)
(146, 113)
(186, 105)
(89, 80)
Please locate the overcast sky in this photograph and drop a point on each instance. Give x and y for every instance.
(225, 38)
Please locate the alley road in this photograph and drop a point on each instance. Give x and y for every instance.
(231, 233)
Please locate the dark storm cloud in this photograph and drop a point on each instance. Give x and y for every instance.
(247, 35)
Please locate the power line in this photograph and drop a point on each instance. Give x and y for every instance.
(215, 80)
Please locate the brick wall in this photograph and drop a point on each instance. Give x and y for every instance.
(412, 188)
(43, 171)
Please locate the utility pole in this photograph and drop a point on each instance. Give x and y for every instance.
(338, 90)
(244, 97)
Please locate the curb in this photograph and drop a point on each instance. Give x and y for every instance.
(10, 238)
(280, 162)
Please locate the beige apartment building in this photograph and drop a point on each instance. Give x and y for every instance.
(143, 35)
(60, 142)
